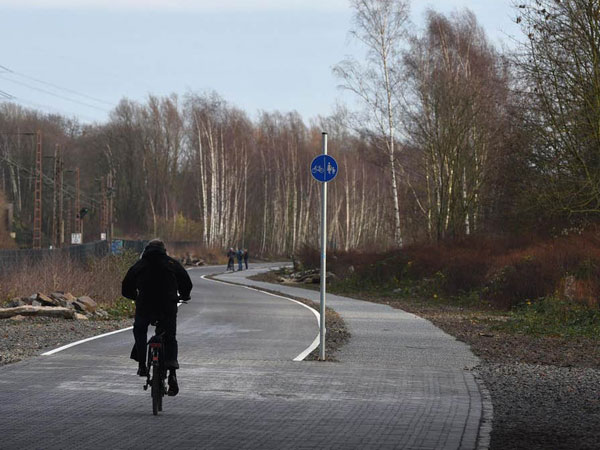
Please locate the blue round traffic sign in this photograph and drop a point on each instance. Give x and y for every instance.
(323, 168)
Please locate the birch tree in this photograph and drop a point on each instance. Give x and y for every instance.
(381, 26)
(458, 89)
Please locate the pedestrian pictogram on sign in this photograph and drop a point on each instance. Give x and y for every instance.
(324, 168)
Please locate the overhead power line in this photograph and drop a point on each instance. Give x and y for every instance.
(53, 94)
(56, 86)
(48, 181)
(6, 95)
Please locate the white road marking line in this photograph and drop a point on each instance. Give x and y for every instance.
(300, 357)
(314, 344)
(73, 344)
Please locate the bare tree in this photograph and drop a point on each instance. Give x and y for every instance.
(458, 89)
(561, 63)
(381, 26)
(203, 171)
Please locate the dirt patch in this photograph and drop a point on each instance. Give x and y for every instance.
(336, 336)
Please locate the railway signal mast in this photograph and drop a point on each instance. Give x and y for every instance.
(37, 199)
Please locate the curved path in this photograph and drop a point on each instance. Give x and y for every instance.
(400, 383)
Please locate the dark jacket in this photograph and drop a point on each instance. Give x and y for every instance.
(154, 281)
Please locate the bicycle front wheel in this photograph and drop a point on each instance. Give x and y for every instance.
(156, 397)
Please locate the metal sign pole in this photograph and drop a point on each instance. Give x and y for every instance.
(323, 256)
(323, 168)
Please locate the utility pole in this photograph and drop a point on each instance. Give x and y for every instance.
(110, 204)
(103, 209)
(55, 216)
(37, 199)
(61, 221)
(77, 205)
(69, 221)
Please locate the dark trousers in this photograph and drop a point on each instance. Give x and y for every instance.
(167, 322)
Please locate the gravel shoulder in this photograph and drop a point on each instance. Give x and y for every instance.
(35, 335)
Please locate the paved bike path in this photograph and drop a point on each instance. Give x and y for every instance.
(240, 388)
(423, 374)
(88, 396)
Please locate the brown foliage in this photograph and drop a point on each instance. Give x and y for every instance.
(504, 271)
(542, 269)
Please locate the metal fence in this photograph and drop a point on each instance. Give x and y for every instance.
(10, 259)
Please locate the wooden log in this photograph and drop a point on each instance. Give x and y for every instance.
(28, 310)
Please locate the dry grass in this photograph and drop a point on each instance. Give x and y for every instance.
(100, 279)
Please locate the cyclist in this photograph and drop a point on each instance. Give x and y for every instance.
(154, 283)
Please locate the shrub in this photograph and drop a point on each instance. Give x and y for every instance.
(527, 279)
(508, 272)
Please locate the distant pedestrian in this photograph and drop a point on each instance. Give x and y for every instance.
(246, 258)
(240, 256)
(230, 256)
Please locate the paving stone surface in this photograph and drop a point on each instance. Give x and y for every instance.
(400, 384)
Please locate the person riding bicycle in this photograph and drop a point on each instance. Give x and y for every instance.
(154, 282)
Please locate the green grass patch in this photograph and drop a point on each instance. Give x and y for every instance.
(427, 291)
(121, 309)
(553, 316)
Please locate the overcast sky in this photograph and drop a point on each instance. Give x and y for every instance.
(80, 57)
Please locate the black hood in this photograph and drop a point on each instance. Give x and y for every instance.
(154, 251)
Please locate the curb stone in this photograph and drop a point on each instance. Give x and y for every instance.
(486, 424)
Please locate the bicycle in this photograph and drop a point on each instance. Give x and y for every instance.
(157, 372)
(156, 369)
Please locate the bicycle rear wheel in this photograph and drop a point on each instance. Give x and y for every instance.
(156, 396)
(161, 388)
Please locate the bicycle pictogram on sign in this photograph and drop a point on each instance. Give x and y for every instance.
(324, 168)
